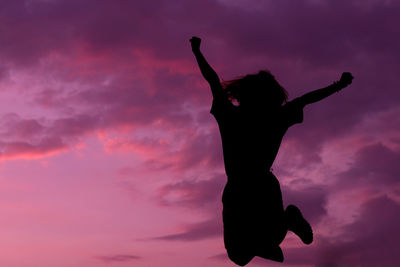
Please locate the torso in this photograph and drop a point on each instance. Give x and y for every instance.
(250, 141)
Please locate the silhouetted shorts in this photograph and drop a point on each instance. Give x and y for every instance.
(252, 213)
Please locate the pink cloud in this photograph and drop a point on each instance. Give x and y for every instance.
(21, 150)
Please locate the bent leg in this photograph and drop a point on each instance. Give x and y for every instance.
(298, 225)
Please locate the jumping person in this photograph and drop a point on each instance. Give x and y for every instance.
(255, 221)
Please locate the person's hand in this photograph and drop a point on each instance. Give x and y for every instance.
(346, 79)
(195, 42)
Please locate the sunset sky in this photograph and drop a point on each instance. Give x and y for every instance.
(109, 155)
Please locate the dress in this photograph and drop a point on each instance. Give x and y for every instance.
(252, 200)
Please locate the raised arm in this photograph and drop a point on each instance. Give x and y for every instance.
(322, 93)
(208, 73)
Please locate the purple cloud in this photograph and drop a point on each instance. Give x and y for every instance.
(375, 165)
(371, 240)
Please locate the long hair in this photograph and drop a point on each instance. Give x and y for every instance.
(260, 85)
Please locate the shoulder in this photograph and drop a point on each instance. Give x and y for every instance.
(295, 103)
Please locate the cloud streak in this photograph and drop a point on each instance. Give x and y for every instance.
(118, 258)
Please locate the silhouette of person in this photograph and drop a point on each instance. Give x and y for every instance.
(255, 221)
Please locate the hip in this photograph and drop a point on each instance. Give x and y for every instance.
(248, 188)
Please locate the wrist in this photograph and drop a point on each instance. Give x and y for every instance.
(338, 85)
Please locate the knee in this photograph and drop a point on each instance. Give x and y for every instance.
(240, 258)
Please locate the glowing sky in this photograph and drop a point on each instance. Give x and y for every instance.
(109, 156)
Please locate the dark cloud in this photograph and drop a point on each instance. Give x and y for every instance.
(17, 128)
(375, 166)
(371, 240)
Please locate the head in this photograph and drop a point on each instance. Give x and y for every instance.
(259, 90)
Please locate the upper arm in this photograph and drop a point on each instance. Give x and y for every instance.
(208, 73)
(302, 101)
